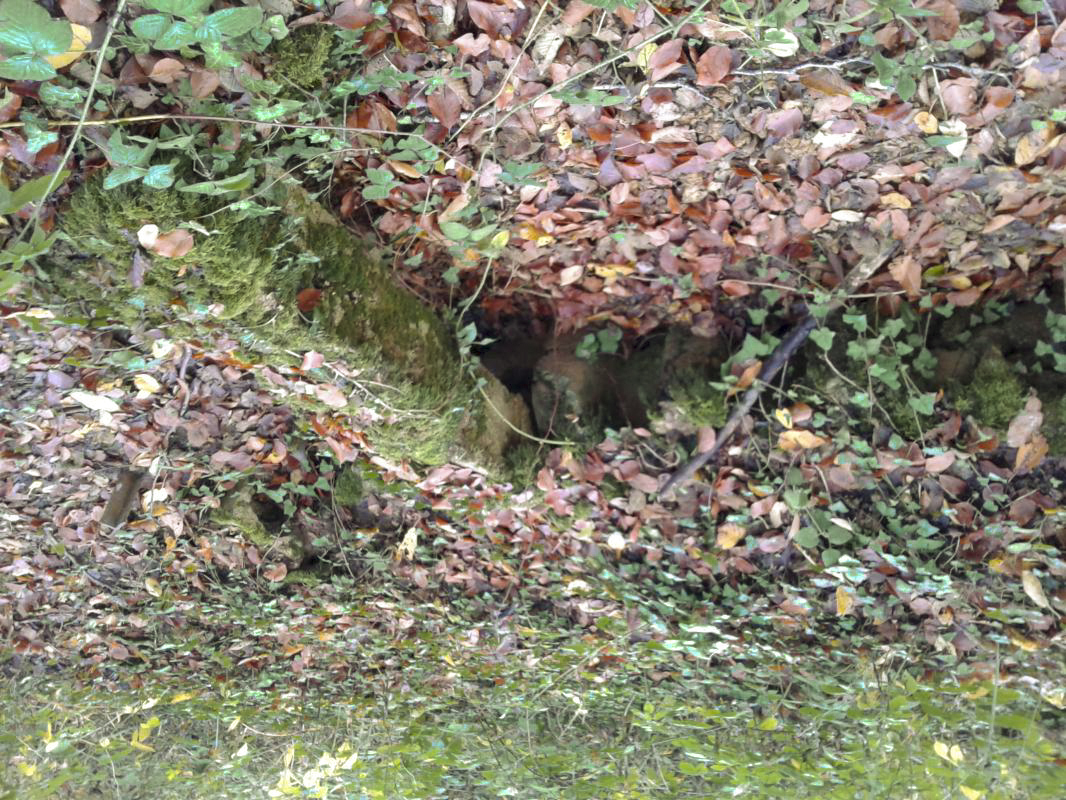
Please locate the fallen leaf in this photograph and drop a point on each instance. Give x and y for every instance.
(799, 440)
(94, 402)
(308, 299)
(1033, 589)
(571, 274)
(713, 65)
(173, 244)
(445, 105)
(845, 601)
(83, 12)
(1028, 422)
(146, 383)
(728, 534)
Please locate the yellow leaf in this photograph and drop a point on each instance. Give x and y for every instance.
(971, 794)
(1032, 587)
(535, 234)
(181, 697)
(1019, 641)
(644, 55)
(926, 122)
(406, 169)
(799, 440)
(611, 271)
(952, 754)
(146, 383)
(564, 136)
(783, 416)
(845, 601)
(80, 36)
(768, 724)
(1056, 696)
(406, 550)
(500, 240)
(729, 533)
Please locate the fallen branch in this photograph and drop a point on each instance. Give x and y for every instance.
(782, 353)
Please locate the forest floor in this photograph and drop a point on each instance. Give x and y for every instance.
(216, 581)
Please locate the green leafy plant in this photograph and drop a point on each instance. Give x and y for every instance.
(28, 37)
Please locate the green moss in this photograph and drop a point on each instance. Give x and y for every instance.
(699, 401)
(996, 394)
(1054, 428)
(303, 57)
(235, 264)
(348, 488)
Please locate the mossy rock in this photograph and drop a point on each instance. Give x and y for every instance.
(255, 269)
(995, 395)
(302, 58)
(234, 264)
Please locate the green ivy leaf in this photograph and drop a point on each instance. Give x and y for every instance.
(179, 8)
(61, 96)
(235, 183)
(26, 68)
(121, 154)
(160, 176)
(150, 26)
(455, 231)
(121, 175)
(823, 337)
(375, 192)
(923, 404)
(27, 28)
(178, 35)
(807, 537)
(230, 22)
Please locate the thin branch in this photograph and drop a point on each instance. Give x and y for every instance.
(784, 351)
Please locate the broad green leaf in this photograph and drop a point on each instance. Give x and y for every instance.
(380, 176)
(215, 57)
(18, 253)
(150, 26)
(121, 175)
(231, 21)
(27, 28)
(160, 176)
(8, 281)
(38, 137)
(26, 67)
(807, 537)
(278, 109)
(179, 8)
(61, 96)
(823, 337)
(127, 155)
(235, 183)
(375, 192)
(30, 192)
(455, 231)
(178, 35)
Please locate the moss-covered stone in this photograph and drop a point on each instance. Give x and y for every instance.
(303, 58)
(255, 270)
(235, 264)
(1054, 428)
(996, 394)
